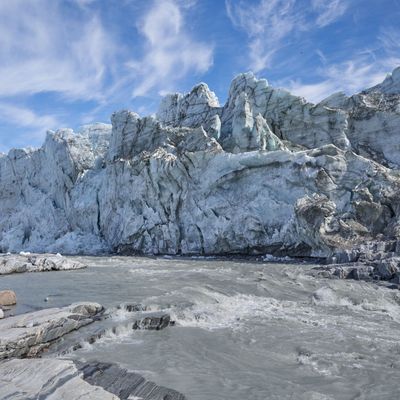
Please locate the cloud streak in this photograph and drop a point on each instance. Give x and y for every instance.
(350, 76)
(65, 50)
(269, 23)
(170, 53)
(34, 124)
(328, 11)
(40, 55)
(25, 117)
(365, 70)
(266, 24)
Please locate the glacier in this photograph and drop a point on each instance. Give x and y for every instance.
(265, 173)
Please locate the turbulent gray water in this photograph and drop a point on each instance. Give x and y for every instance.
(243, 330)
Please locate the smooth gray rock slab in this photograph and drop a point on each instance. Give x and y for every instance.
(126, 384)
(46, 379)
(27, 335)
(17, 263)
(55, 379)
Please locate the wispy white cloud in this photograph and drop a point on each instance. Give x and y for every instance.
(321, 56)
(328, 11)
(268, 23)
(171, 53)
(39, 52)
(350, 76)
(389, 39)
(36, 125)
(84, 3)
(25, 117)
(45, 48)
(271, 24)
(66, 49)
(366, 69)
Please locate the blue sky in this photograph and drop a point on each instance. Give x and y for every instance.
(65, 63)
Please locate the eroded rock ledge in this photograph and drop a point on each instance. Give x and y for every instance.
(27, 335)
(54, 379)
(267, 172)
(50, 379)
(126, 384)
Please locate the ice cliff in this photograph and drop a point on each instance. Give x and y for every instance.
(267, 172)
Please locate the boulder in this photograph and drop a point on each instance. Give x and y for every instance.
(153, 322)
(7, 298)
(387, 268)
(396, 278)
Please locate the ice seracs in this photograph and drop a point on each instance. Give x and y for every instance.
(267, 172)
(27, 262)
(192, 109)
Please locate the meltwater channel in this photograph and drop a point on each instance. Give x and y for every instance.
(243, 330)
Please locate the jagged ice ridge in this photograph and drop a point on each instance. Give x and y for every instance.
(267, 172)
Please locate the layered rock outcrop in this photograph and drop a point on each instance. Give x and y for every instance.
(47, 379)
(55, 379)
(27, 335)
(267, 172)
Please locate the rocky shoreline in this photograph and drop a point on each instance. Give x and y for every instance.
(24, 338)
(27, 337)
(373, 262)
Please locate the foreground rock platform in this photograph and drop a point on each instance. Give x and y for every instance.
(59, 378)
(126, 384)
(18, 263)
(139, 320)
(27, 335)
(55, 379)
(50, 379)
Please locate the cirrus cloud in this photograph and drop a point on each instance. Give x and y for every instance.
(170, 52)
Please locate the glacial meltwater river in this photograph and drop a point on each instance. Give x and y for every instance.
(244, 330)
